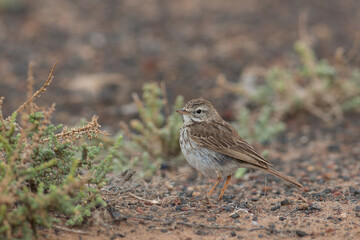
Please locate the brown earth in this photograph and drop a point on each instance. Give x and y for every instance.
(172, 206)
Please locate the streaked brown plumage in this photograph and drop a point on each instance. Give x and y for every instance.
(214, 147)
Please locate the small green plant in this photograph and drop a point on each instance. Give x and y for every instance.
(260, 127)
(44, 171)
(154, 138)
(314, 86)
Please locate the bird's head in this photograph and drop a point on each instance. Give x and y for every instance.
(198, 110)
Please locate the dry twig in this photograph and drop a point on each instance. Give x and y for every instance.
(72, 230)
(75, 133)
(37, 94)
(154, 202)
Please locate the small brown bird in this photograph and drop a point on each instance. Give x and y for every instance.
(213, 147)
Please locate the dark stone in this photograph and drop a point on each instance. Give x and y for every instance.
(235, 215)
(164, 166)
(233, 234)
(300, 233)
(185, 219)
(357, 208)
(354, 191)
(286, 202)
(333, 148)
(201, 232)
(211, 219)
(276, 207)
(228, 197)
(118, 216)
(281, 218)
(314, 207)
(179, 208)
(117, 235)
(228, 208)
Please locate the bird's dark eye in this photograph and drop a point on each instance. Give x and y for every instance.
(198, 111)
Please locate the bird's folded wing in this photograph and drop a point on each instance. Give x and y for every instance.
(223, 138)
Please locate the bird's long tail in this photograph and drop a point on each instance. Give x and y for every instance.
(282, 176)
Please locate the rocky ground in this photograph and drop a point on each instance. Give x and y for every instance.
(171, 205)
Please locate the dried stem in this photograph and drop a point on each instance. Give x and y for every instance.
(75, 133)
(72, 230)
(37, 94)
(154, 202)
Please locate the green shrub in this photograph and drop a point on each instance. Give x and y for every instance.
(154, 138)
(43, 171)
(311, 85)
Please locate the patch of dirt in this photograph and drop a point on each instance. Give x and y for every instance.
(172, 206)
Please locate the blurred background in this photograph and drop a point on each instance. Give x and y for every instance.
(108, 49)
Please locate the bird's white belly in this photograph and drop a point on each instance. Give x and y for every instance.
(208, 162)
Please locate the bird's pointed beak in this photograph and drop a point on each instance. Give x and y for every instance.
(182, 111)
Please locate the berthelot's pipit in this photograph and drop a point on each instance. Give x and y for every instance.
(213, 147)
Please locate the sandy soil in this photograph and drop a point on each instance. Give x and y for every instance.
(171, 205)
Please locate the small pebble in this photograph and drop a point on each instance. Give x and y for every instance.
(201, 232)
(235, 215)
(286, 202)
(179, 208)
(276, 207)
(354, 190)
(196, 194)
(232, 234)
(315, 207)
(357, 208)
(333, 148)
(255, 223)
(117, 235)
(228, 208)
(154, 208)
(300, 233)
